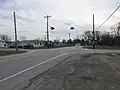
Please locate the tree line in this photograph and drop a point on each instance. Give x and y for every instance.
(111, 38)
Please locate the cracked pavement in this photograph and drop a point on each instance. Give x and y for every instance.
(87, 72)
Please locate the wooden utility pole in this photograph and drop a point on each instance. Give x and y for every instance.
(16, 42)
(69, 35)
(93, 33)
(47, 17)
(45, 36)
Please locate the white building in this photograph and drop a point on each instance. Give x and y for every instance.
(3, 44)
(34, 43)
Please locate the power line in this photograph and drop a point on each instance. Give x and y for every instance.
(9, 18)
(108, 17)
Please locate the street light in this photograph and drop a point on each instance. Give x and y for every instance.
(72, 28)
(52, 28)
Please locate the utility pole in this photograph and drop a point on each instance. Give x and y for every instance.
(93, 33)
(47, 17)
(69, 34)
(45, 36)
(16, 42)
(118, 32)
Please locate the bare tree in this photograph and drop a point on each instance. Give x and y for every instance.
(113, 28)
(56, 41)
(87, 35)
(64, 41)
(23, 38)
(98, 35)
(116, 29)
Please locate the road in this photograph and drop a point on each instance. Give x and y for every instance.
(16, 69)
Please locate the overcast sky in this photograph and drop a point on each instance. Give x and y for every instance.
(77, 13)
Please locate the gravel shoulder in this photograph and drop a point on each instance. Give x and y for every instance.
(89, 72)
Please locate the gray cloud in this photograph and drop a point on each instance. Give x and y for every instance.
(77, 13)
(24, 19)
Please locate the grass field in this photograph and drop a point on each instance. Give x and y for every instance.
(103, 47)
(9, 52)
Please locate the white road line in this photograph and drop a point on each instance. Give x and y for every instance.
(14, 75)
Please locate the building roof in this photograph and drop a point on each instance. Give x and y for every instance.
(29, 41)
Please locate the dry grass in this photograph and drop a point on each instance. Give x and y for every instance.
(9, 52)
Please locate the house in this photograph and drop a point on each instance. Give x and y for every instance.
(57, 44)
(3, 44)
(10, 44)
(37, 43)
(33, 43)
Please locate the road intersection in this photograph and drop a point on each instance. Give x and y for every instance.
(17, 69)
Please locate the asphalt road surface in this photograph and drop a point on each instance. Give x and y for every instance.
(17, 69)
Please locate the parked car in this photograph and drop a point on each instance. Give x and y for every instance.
(28, 46)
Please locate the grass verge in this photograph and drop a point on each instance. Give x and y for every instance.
(103, 47)
(10, 52)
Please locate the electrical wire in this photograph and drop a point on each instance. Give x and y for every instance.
(108, 17)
